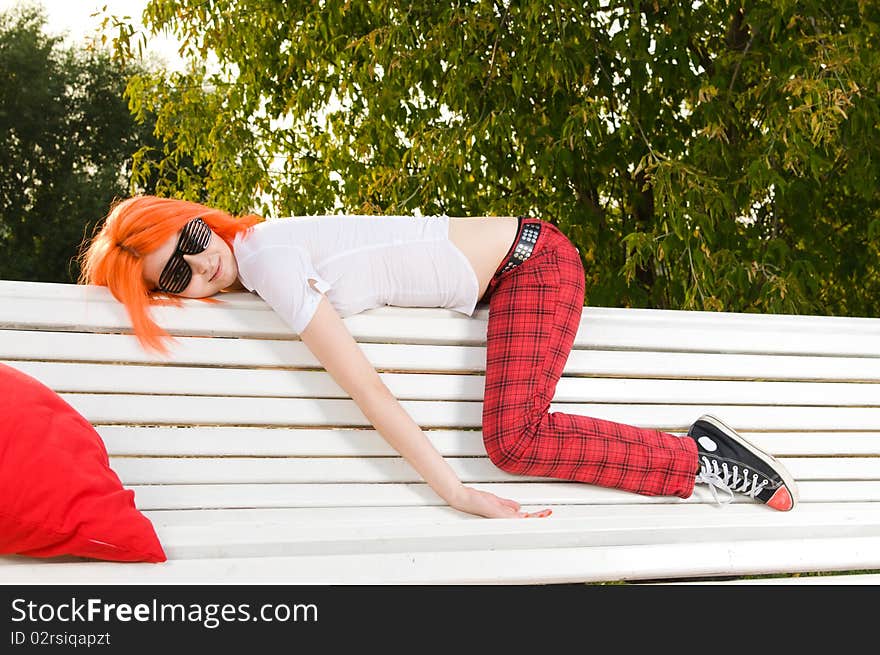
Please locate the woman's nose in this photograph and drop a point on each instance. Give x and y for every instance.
(198, 263)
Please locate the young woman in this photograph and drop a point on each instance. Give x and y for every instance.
(314, 271)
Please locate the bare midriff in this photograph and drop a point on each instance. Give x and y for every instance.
(484, 241)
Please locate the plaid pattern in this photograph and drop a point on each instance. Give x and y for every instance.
(534, 313)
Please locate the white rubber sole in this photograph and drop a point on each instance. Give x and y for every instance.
(767, 458)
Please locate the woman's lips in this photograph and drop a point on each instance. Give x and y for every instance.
(217, 272)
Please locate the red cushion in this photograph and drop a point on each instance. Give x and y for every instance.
(58, 494)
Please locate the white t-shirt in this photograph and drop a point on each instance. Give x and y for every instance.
(358, 262)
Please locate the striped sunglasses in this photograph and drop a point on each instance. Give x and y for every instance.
(194, 238)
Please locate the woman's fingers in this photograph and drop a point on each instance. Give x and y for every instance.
(489, 505)
(525, 515)
(515, 506)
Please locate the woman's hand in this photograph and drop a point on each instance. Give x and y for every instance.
(483, 503)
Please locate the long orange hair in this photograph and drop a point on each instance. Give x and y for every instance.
(133, 228)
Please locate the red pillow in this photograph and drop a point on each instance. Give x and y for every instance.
(58, 494)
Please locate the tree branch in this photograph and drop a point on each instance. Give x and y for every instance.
(495, 47)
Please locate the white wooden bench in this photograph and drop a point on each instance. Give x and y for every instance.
(255, 467)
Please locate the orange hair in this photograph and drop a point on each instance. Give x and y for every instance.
(133, 228)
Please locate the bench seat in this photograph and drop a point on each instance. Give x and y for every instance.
(255, 467)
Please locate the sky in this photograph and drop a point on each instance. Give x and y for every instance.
(72, 18)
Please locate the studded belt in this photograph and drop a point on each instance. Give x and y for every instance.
(528, 237)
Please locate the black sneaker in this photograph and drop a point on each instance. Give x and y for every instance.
(730, 463)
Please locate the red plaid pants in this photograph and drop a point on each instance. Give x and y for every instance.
(534, 312)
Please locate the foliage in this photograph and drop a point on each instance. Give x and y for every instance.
(710, 155)
(66, 142)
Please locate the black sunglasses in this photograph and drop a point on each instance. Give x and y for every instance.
(194, 238)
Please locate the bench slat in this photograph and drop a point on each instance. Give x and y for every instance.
(632, 514)
(368, 327)
(275, 353)
(235, 470)
(229, 496)
(366, 442)
(180, 380)
(565, 530)
(275, 442)
(518, 566)
(197, 318)
(238, 352)
(199, 410)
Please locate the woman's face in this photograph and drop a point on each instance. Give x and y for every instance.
(213, 270)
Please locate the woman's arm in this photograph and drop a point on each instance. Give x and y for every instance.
(332, 344)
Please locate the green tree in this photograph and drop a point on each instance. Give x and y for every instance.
(702, 155)
(66, 144)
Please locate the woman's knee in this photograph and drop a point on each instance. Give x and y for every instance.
(504, 442)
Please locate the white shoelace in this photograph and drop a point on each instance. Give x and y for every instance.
(726, 480)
